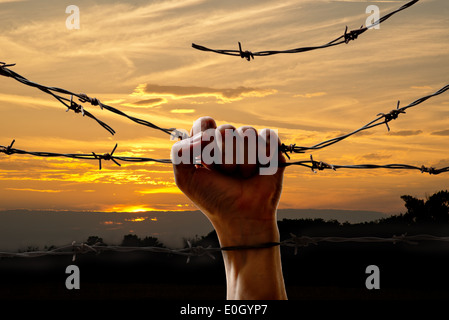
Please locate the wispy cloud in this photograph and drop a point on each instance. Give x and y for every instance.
(421, 87)
(310, 95)
(147, 103)
(405, 133)
(182, 111)
(160, 190)
(223, 95)
(35, 190)
(441, 133)
(6, 1)
(375, 156)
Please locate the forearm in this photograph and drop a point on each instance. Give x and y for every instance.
(256, 273)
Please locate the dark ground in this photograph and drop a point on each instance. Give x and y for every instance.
(327, 272)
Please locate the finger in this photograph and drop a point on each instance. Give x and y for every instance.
(202, 124)
(247, 151)
(182, 157)
(205, 126)
(226, 143)
(186, 153)
(269, 152)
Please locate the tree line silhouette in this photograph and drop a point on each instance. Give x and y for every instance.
(421, 215)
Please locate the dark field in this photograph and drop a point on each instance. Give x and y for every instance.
(326, 271)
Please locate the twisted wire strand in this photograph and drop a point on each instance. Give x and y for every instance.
(382, 118)
(294, 241)
(9, 150)
(311, 164)
(345, 38)
(70, 104)
(320, 165)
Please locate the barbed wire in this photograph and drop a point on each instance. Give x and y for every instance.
(292, 148)
(345, 38)
(70, 104)
(9, 150)
(382, 118)
(304, 241)
(311, 164)
(320, 166)
(296, 242)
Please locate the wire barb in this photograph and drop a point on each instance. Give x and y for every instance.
(7, 150)
(93, 101)
(107, 157)
(4, 65)
(298, 242)
(77, 108)
(320, 165)
(245, 54)
(392, 115)
(197, 251)
(353, 34)
(430, 170)
(287, 148)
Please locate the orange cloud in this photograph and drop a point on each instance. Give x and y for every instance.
(137, 219)
(181, 92)
(161, 190)
(182, 111)
(421, 87)
(376, 156)
(441, 133)
(147, 103)
(405, 133)
(310, 95)
(35, 190)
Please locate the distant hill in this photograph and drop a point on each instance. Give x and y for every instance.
(20, 229)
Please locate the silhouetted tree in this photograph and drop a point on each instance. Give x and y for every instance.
(211, 239)
(151, 242)
(94, 240)
(435, 209)
(130, 240)
(415, 210)
(438, 207)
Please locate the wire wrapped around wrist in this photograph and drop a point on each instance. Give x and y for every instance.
(249, 247)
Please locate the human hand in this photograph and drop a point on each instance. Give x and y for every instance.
(238, 199)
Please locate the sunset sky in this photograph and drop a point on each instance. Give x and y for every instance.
(137, 56)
